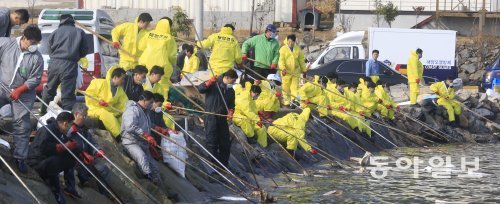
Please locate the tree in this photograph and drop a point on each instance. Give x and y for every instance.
(181, 23)
(390, 12)
(379, 11)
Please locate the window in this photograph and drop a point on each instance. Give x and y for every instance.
(106, 21)
(337, 53)
(351, 67)
(355, 52)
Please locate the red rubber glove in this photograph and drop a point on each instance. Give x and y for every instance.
(274, 66)
(211, 81)
(240, 65)
(71, 145)
(100, 153)
(116, 45)
(87, 158)
(398, 108)
(168, 106)
(259, 123)
(307, 102)
(277, 94)
(244, 57)
(418, 81)
(73, 129)
(329, 107)
(18, 91)
(154, 152)
(230, 114)
(257, 82)
(283, 73)
(362, 113)
(151, 140)
(103, 103)
(313, 151)
(342, 108)
(161, 130)
(388, 106)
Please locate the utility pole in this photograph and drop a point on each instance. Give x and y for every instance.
(199, 19)
(251, 18)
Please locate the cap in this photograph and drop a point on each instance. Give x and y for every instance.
(271, 28)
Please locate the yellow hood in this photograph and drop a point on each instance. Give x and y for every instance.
(163, 27)
(413, 53)
(226, 31)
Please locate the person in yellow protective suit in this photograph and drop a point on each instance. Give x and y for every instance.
(415, 71)
(152, 81)
(338, 101)
(160, 49)
(313, 95)
(354, 106)
(268, 101)
(225, 50)
(245, 114)
(292, 64)
(369, 100)
(191, 61)
(386, 108)
(111, 96)
(290, 129)
(446, 94)
(130, 35)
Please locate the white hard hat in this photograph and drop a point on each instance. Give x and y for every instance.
(274, 77)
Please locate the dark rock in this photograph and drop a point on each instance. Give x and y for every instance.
(464, 122)
(484, 113)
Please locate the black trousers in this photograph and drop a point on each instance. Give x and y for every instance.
(218, 141)
(99, 169)
(52, 166)
(64, 73)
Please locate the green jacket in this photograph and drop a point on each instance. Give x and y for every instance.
(266, 51)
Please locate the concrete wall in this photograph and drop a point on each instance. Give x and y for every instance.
(364, 21)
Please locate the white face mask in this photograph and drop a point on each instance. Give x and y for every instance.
(143, 81)
(229, 86)
(32, 48)
(158, 110)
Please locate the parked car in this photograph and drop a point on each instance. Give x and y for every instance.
(351, 70)
(100, 55)
(491, 74)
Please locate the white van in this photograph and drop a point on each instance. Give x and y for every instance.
(100, 56)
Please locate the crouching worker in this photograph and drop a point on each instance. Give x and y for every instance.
(387, 106)
(49, 157)
(446, 94)
(268, 101)
(290, 129)
(245, 114)
(105, 97)
(136, 135)
(312, 94)
(91, 154)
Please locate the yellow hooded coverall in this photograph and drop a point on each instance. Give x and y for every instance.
(101, 89)
(293, 64)
(245, 114)
(191, 64)
(446, 97)
(130, 37)
(225, 50)
(386, 101)
(267, 100)
(160, 49)
(354, 108)
(293, 124)
(315, 95)
(336, 100)
(369, 99)
(415, 70)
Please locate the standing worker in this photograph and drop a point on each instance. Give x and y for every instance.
(21, 67)
(160, 49)
(9, 19)
(66, 46)
(130, 34)
(292, 63)
(266, 52)
(225, 50)
(219, 98)
(372, 67)
(415, 72)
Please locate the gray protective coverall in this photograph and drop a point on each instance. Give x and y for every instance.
(18, 68)
(5, 25)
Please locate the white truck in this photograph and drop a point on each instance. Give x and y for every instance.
(395, 45)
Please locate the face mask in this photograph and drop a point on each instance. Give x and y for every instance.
(276, 37)
(273, 35)
(68, 134)
(32, 48)
(229, 86)
(158, 110)
(143, 81)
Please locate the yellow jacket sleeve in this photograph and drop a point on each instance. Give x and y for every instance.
(118, 32)
(208, 43)
(282, 59)
(237, 53)
(172, 52)
(93, 91)
(305, 90)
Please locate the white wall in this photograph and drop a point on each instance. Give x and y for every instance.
(430, 5)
